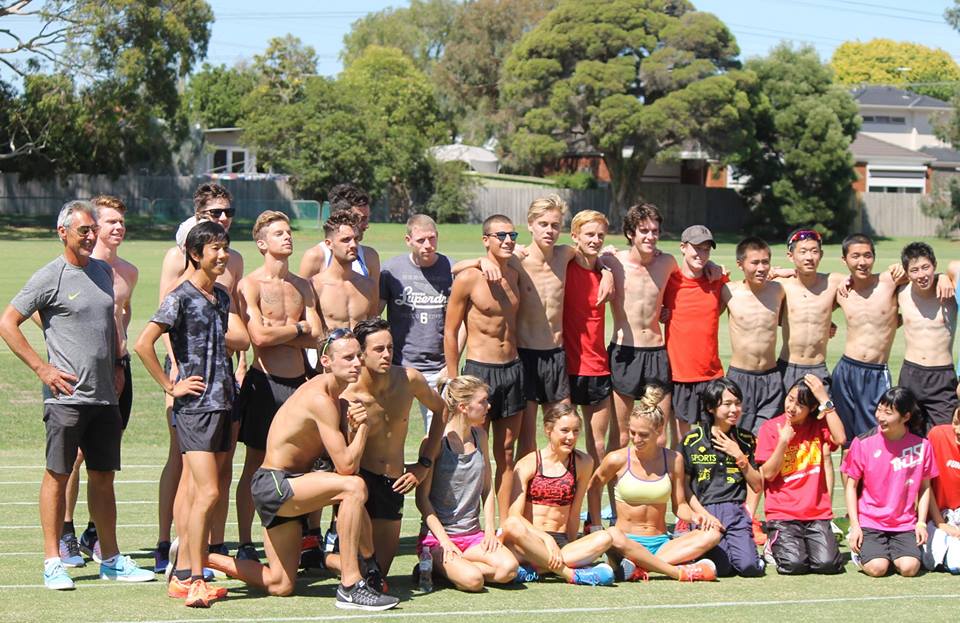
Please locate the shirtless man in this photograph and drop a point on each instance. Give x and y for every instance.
(489, 310)
(110, 220)
(929, 325)
(367, 262)
(386, 392)
(281, 317)
(306, 427)
(210, 202)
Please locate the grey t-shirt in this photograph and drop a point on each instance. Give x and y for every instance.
(416, 300)
(76, 309)
(457, 488)
(198, 329)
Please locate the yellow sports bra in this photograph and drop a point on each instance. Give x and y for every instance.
(637, 492)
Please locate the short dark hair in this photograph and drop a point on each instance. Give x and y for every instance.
(206, 193)
(368, 327)
(916, 250)
(900, 399)
(805, 396)
(495, 218)
(339, 219)
(751, 243)
(712, 394)
(853, 239)
(345, 196)
(636, 214)
(803, 233)
(203, 233)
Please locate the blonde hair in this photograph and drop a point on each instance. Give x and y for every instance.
(587, 216)
(648, 406)
(421, 221)
(541, 206)
(265, 219)
(553, 414)
(461, 390)
(109, 201)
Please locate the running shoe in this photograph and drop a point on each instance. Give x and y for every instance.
(161, 557)
(837, 531)
(172, 552)
(597, 575)
(700, 571)
(90, 545)
(248, 552)
(179, 589)
(682, 527)
(526, 573)
(855, 559)
(198, 596)
(759, 535)
(311, 552)
(220, 548)
(363, 597)
(768, 553)
(629, 571)
(124, 569)
(374, 578)
(55, 576)
(70, 551)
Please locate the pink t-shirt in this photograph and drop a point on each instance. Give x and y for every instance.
(890, 473)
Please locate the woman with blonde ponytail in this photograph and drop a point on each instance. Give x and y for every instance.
(648, 477)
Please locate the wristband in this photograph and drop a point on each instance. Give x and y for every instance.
(743, 461)
(299, 330)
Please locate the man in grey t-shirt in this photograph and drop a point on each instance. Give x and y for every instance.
(73, 295)
(414, 288)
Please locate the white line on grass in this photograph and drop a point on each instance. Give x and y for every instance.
(124, 466)
(508, 613)
(416, 520)
(82, 482)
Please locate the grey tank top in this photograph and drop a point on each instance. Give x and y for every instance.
(457, 488)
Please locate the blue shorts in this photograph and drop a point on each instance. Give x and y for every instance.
(652, 543)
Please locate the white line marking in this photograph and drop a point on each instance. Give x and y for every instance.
(509, 613)
(124, 466)
(82, 482)
(256, 523)
(35, 502)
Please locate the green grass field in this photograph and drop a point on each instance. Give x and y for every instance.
(850, 597)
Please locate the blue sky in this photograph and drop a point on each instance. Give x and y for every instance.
(244, 26)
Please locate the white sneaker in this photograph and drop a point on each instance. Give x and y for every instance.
(55, 576)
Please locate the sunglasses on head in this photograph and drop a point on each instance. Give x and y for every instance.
(335, 335)
(804, 234)
(502, 235)
(85, 230)
(218, 212)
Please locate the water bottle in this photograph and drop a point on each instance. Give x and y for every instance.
(426, 571)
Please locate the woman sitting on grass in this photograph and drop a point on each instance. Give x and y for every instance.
(450, 498)
(649, 477)
(942, 550)
(549, 485)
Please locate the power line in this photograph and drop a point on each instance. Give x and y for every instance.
(887, 7)
(817, 5)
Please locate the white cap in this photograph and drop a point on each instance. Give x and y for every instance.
(183, 230)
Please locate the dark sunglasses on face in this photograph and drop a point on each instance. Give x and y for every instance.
(85, 230)
(335, 335)
(804, 234)
(502, 235)
(218, 212)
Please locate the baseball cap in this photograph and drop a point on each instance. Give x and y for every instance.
(696, 234)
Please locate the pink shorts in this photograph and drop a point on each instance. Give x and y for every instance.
(462, 541)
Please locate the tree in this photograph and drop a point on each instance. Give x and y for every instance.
(928, 71)
(215, 94)
(800, 170)
(632, 78)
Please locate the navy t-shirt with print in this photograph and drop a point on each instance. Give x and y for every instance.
(714, 475)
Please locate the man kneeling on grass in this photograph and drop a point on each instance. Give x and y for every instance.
(284, 489)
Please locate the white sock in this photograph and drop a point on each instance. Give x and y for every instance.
(50, 561)
(109, 561)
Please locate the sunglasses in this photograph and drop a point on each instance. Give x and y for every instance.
(502, 235)
(335, 335)
(218, 212)
(804, 234)
(85, 230)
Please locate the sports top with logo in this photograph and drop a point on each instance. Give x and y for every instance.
(76, 309)
(714, 476)
(197, 328)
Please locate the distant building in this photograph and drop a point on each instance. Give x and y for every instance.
(223, 153)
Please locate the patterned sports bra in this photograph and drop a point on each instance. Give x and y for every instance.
(553, 490)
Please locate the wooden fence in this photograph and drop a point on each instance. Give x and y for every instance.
(892, 214)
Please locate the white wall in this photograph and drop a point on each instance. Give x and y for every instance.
(916, 132)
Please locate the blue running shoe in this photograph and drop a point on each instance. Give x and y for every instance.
(122, 569)
(161, 557)
(90, 545)
(70, 551)
(526, 573)
(597, 575)
(55, 576)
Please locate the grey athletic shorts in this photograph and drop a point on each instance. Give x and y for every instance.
(632, 368)
(762, 396)
(506, 386)
(270, 489)
(793, 372)
(95, 429)
(204, 432)
(544, 375)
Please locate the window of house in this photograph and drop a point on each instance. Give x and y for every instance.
(220, 160)
(884, 119)
(906, 179)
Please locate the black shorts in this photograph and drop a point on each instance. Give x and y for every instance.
(936, 390)
(125, 399)
(687, 403)
(544, 375)
(590, 390)
(857, 388)
(382, 501)
(204, 432)
(95, 429)
(260, 397)
(801, 547)
(889, 545)
(793, 372)
(762, 396)
(270, 489)
(560, 538)
(632, 368)
(506, 386)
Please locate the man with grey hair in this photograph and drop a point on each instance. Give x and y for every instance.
(74, 297)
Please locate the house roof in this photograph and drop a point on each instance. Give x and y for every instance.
(895, 98)
(866, 148)
(943, 155)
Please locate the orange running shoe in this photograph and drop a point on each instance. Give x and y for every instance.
(759, 536)
(199, 595)
(178, 589)
(700, 571)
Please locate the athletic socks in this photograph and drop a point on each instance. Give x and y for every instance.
(182, 574)
(67, 528)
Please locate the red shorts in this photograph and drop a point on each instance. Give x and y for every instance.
(462, 541)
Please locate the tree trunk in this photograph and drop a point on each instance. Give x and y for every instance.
(625, 174)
